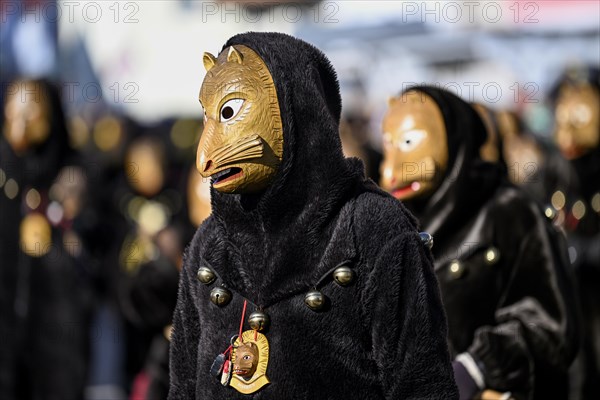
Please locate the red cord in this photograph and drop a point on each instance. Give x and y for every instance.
(242, 321)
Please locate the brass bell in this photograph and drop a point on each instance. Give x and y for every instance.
(492, 255)
(258, 320)
(220, 296)
(343, 275)
(315, 300)
(457, 270)
(206, 275)
(426, 239)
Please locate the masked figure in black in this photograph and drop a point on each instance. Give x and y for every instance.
(577, 135)
(499, 262)
(303, 259)
(43, 323)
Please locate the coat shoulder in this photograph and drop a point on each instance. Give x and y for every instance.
(378, 219)
(513, 204)
(380, 211)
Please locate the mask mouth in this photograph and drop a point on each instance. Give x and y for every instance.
(406, 189)
(241, 371)
(226, 175)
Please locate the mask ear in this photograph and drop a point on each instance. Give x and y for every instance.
(234, 56)
(209, 61)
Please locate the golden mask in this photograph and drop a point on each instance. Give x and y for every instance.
(242, 142)
(27, 114)
(246, 360)
(522, 153)
(415, 146)
(144, 166)
(489, 150)
(577, 120)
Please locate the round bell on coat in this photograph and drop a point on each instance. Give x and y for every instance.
(492, 255)
(206, 275)
(343, 275)
(258, 320)
(315, 300)
(457, 270)
(426, 239)
(220, 296)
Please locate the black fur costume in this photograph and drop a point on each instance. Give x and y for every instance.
(384, 337)
(515, 315)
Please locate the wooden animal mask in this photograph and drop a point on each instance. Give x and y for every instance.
(577, 120)
(415, 146)
(27, 114)
(246, 360)
(144, 166)
(242, 143)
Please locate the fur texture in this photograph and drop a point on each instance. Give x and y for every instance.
(383, 337)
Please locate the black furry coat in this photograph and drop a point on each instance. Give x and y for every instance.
(501, 267)
(384, 337)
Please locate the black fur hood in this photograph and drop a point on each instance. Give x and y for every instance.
(314, 178)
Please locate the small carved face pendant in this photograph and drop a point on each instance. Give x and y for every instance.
(246, 360)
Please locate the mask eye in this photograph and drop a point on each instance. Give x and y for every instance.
(410, 140)
(230, 109)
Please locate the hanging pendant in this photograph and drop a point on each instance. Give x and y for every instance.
(249, 356)
(35, 235)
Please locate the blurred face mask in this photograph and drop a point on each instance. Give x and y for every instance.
(144, 167)
(489, 151)
(415, 146)
(27, 116)
(241, 146)
(577, 120)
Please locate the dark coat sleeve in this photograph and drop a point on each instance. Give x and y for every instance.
(535, 322)
(408, 323)
(184, 337)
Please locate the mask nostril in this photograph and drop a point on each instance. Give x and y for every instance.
(208, 164)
